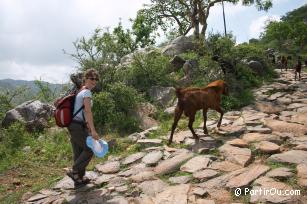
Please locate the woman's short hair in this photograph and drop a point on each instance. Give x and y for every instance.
(90, 73)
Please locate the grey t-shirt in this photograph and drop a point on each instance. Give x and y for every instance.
(79, 103)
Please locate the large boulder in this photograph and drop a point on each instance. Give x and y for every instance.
(256, 66)
(179, 45)
(129, 58)
(34, 114)
(144, 112)
(163, 96)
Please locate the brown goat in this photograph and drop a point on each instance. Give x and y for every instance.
(190, 100)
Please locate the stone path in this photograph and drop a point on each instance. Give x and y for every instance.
(262, 146)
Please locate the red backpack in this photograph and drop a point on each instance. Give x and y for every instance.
(64, 109)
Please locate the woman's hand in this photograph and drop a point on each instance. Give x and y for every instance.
(95, 135)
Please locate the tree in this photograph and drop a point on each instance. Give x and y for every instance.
(143, 30)
(104, 47)
(290, 33)
(187, 14)
(278, 32)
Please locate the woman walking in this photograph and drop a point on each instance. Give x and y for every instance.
(82, 126)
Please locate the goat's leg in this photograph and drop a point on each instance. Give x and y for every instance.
(178, 113)
(191, 121)
(218, 109)
(205, 121)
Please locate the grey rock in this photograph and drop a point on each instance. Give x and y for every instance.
(152, 158)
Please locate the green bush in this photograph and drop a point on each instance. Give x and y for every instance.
(220, 45)
(147, 71)
(111, 108)
(250, 51)
(237, 100)
(103, 109)
(12, 139)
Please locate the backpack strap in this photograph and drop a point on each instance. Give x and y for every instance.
(78, 112)
(84, 87)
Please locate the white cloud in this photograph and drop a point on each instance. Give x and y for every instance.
(49, 72)
(257, 26)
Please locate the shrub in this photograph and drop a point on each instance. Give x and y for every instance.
(12, 139)
(250, 51)
(111, 108)
(147, 71)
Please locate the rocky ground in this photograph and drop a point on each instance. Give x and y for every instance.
(262, 146)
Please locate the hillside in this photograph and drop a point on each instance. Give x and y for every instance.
(31, 89)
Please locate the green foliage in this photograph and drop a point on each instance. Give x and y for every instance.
(247, 51)
(104, 47)
(181, 16)
(44, 94)
(143, 29)
(103, 109)
(111, 108)
(237, 100)
(12, 139)
(8, 97)
(147, 71)
(220, 45)
(288, 35)
(296, 15)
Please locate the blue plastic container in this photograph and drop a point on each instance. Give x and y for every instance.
(99, 151)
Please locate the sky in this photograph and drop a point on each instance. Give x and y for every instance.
(34, 33)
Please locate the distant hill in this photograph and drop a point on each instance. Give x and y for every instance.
(9, 85)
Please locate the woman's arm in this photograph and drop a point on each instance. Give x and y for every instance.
(89, 117)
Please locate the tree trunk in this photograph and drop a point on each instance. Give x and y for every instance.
(196, 30)
(204, 29)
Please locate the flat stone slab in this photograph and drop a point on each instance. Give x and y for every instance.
(269, 183)
(302, 174)
(280, 173)
(220, 181)
(231, 130)
(290, 157)
(195, 164)
(295, 106)
(276, 95)
(109, 167)
(268, 147)
(301, 147)
(225, 166)
(268, 107)
(238, 143)
(174, 194)
(135, 169)
(241, 156)
(258, 137)
(150, 142)
(66, 183)
(247, 177)
(259, 129)
(281, 126)
(180, 179)
(205, 174)
(152, 158)
(105, 178)
(172, 164)
(133, 158)
(143, 176)
(180, 136)
(152, 188)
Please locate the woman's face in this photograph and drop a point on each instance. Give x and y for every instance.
(91, 81)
